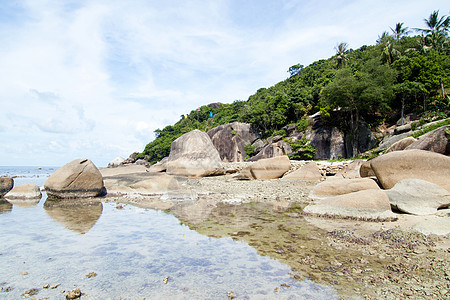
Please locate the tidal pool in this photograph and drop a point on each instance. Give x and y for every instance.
(134, 253)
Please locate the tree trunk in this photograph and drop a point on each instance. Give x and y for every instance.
(403, 107)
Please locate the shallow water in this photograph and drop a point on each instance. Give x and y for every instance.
(134, 252)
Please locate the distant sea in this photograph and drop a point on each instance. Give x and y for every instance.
(25, 174)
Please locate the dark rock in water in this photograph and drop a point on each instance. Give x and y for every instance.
(437, 141)
(5, 206)
(193, 154)
(230, 140)
(78, 179)
(6, 184)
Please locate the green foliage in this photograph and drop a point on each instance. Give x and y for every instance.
(302, 150)
(250, 150)
(431, 128)
(281, 132)
(374, 83)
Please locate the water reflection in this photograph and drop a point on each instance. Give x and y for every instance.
(5, 206)
(24, 203)
(77, 215)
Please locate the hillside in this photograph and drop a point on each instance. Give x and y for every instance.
(375, 84)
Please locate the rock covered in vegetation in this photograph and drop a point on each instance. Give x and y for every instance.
(230, 140)
(269, 168)
(193, 154)
(418, 197)
(24, 192)
(437, 141)
(395, 166)
(402, 144)
(365, 204)
(309, 171)
(342, 186)
(78, 179)
(6, 184)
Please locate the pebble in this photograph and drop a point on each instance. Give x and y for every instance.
(74, 294)
(24, 273)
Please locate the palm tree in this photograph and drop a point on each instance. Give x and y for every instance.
(341, 54)
(399, 31)
(436, 24)
(383, 38)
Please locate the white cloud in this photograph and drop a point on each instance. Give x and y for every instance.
(95, 78)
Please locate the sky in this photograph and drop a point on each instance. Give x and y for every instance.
(94, 79)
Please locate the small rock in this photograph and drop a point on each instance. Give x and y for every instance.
(91, 274)
(46, 286)
(31, 292)
(24, 273)
(55, 286)
(74, 294)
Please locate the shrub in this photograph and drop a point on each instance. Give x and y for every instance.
(302, 150)
(302, 124)
(250, 150)
(431, 128)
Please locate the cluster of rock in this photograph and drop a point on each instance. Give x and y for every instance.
(411, 181)
(24, 192)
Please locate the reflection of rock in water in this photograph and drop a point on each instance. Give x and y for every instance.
(25, 203)
(77, 215)
(5, 206)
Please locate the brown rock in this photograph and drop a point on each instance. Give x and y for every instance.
(24, 192)
(268, 168)
(366, 169)
(6, 184)
(160, 166)
(437, 141)
(310, 172)
(401, 145)
(78, 179)
(395, 166)
(366, 204)
(279, 148)
(343, 186)
(351, 170)
(193, 154)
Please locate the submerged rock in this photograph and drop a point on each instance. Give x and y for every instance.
(418, 197)
(78, 179)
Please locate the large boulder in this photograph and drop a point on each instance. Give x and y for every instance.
(78, 179)
(366, 169)
(24, 192)
(193, 154)
(342, 186)
(395, 166)
(328, 141)
(6, 184)
(365, 137)
(389, 140)
(116, 162)
(230, 140)
(402, 144)
(418, 197)
(309, 171)
(365, 205)
(274, 148)
(438, 226)
(269, 168)
(437, 141)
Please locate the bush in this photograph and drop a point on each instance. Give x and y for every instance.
(302, 150)
(250, 150)
(302, 124)
(431, 128)
(281, 132)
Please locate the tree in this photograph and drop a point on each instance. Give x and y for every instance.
(399, 31)
(295, 69)
(408, 90)
(341, 54)
(436, 31)
(358, 93)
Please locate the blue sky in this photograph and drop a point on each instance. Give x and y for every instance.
(95, 78)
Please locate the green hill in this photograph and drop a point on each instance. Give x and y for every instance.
(376, 84)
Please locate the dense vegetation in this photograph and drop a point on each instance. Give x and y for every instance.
(376, 84)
